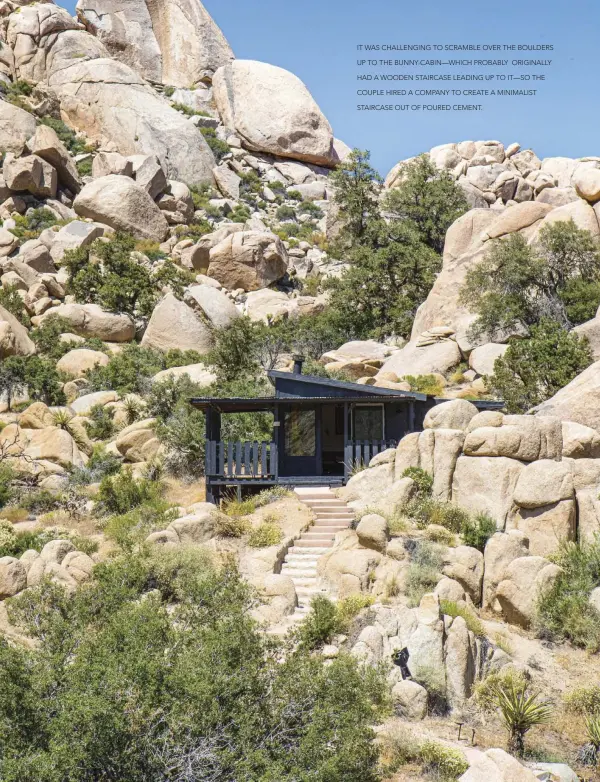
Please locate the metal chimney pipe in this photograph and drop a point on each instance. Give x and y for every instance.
(298, 362)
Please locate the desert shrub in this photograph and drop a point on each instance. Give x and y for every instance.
(127, 371)
(564, 610)
(11, 301)
(477, 531)
(36, 374)
(534, 369)
(31, 225)
(120, 493)
(422, 478)
(518, 286)
(310, 208)
(47, 337)
(129, 529)
(429, 511)
(440, 535)
(320, 625)
(101, 425)
(268, 533)
(183, 435)
(7, 477)
(156, 670)
(100, 464)
(425, 384)
(450, 608)
(75, 144)
(584, 700)
(445, 762)
(285, 213)
(348, 609)
(235, 508)
(424, 570)
(232, 526)
(239, 214)
(219, 148)
(39, 501)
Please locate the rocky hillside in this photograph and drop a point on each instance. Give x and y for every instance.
(174, 222)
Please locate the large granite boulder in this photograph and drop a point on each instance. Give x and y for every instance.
(104, 98)
(16, 126)
(14, 339)
(272, 111)
(578, 401)
(173, 42)
(123, 205)
(248, 260)
(90, 320)
(175, 325)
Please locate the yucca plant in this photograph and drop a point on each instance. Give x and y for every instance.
(132, 408)
(588, 754)
(62, 419)
(521, 710)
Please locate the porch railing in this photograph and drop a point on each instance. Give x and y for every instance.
(236, 459)
(358, 453)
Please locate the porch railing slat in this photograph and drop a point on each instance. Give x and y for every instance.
(238, 458)
(255, 458)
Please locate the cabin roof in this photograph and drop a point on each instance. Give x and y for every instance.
(358, 388)
(249, 404)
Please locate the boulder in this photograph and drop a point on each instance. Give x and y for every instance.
(36, 416)
(16, 126)
(347, 571)
(122, 204)
(455, 414)
(30, 173)
(587, 184)
(483, 358)
(131, 440)
(83, 404)
(461, 663)
(373, 532)
(90, 320)
(149, 174)
(249, 260)
(197, 256)
(228, 182)
(14, 338)
(174, 325)
(34, 254)
(500, 550)
(56, 551)
(73, 236)
(578, 401)
(546, 526)
(272, 111)
(102, 97)
(367, 485)
(77, 362)
(410, 700)
(196, 528)
(588, 514)
(449, 589)
(46, 144)
(107, 163)
(465, 565)
(175, 42)
(79, 566)
(50, 444)
(483, 484)
(439, 357)
(524, 580)
(543, 482)
(496, 765)
(8, 242)
(520, 437)
(212, 305)
(517, 217)
(197, 373)
(13, 577)
(581, 213)
(267, 305)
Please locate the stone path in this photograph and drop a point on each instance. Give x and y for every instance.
(331, 516)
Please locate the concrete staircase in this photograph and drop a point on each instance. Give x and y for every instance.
(331, 516)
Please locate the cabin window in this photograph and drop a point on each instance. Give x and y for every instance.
(368, 422)
(300, 433)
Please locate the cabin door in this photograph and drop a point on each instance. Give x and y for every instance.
(301, 437)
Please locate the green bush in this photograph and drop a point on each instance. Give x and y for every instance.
(424, 570)
(219, 148)
(285, 213)
(35, 374)
(156, 670)
(121, 493)
(267, 533)
(31, 225)
(534, 369)
(320, 625)
(101, 425)
(310, 208)
(477, 531)
(11, 301)
(128, 530)
(7, 476)
(425, 384)
(564, 610)
(584, 700)
(128, 371)
(445, 762)
(47, 338)
(451, 608)
(100, 464)
(422, 478)
(425, 511)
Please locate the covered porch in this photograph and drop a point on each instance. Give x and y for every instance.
(315, 440)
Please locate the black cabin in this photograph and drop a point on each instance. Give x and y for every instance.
(322, 431)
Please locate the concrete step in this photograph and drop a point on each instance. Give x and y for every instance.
(327, 526)
(318, 536)
(326, 512)
(295, 565)
(301, 583)
(319, 545)
(303, 559)
(295, 573)
(316, 551)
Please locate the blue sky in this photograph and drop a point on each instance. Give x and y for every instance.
(316, 40)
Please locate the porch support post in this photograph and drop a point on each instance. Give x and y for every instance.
(411, 416)
(346, 445)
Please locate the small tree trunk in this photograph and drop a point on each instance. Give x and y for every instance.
(516, 743)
